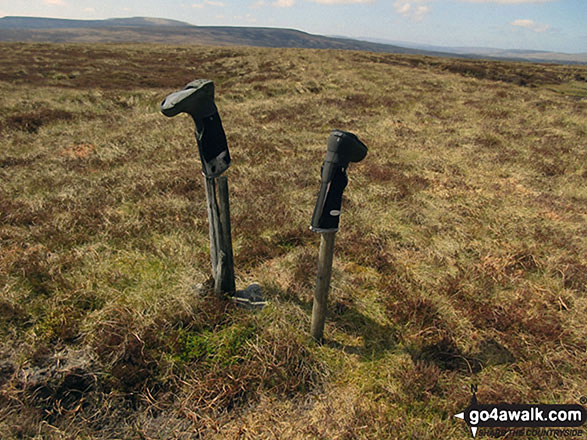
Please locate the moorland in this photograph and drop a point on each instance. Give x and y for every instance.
(461, 257)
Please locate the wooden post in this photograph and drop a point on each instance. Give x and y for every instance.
(322, 284)
(212, 208)
(220, 235)
(226, 269)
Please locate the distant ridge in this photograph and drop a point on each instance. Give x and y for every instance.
(493, 53)
(13, 22)
(156, 30)
(164, 31)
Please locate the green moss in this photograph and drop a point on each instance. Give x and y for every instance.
(220, 348)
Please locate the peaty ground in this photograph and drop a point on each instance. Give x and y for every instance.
(460, 259)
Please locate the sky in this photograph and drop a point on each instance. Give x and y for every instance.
(553, 25)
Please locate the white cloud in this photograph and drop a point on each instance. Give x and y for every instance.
(207, 3)
(276, 3)
(421, 12)
(90, 10)
(508, 2)
(403, 8)
(416, 10)
(531, 25)
(413, 9)
(54, 2)
(290, 3)
(342, 2)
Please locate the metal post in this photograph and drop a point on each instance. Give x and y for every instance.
(322, 284)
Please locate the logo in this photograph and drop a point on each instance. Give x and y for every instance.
(478, 415)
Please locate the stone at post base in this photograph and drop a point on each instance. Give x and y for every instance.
(250, 298)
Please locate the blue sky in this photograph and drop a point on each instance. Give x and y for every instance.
(557, 25)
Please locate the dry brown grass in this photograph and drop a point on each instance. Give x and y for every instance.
(460, 259)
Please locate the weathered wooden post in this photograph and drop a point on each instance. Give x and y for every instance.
(343, 148)
(197, 99)
(220, 234)
(322, 284)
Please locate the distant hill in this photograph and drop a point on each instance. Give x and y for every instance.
(155, 30)
(526, 55)
(23, 23)
(492, 52)
(164, 31)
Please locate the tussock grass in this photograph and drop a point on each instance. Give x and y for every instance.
(460, 259)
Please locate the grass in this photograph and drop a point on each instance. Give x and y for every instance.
(460, 259)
